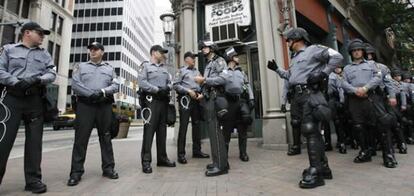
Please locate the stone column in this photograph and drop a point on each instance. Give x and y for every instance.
(187, 15)
(270, 47)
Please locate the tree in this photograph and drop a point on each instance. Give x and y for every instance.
(397, 15)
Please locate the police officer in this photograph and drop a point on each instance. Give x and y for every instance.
(25, 70)
(361, 81)
(155, 82)
(189, 95)
(94, 83)
(310, 67)
(402, 123)
(389, 89)
(336, 103)
(239, 96)
(214, 106)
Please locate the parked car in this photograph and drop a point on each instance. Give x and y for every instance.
(64, 120)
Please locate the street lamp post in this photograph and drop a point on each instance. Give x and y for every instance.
(168, 24)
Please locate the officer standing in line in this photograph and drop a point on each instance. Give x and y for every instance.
(189, 95)
(94, 83)
(295, 148)
(155, 82)
(389, 89)
(239, 96)
(311, 65)
(25, 70)
(361, 81)
(336, 103)
(214, 106)
(408, 112)
(398, 110)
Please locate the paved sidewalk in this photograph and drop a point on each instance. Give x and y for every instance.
(269, 172)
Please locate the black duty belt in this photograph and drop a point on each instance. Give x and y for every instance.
(232, 97)
(299, 88)
(32, 91)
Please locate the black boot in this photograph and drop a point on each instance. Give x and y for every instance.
(328, 147)
(410, 140)
(363, 157)
(244, 157)
(294, 150)
(311, 179)
(342, 148)
(402, 148)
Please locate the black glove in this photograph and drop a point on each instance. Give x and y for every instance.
(163, 91)
(272, 65)
(22, 85)
(251, 104)
(317, 77)
(96, 96)
(283, 108)
(32, 80)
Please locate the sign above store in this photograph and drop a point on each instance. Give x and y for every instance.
(227, 12)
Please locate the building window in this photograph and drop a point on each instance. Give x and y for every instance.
(13, 6)
(8, 35)
(52, 21)
(50, 47)
(62, 3)
(57, 56)
(25, 8)
(60, 25)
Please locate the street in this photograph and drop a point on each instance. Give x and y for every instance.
(269, 172)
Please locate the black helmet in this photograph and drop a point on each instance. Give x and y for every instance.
(369, 49)
(406, 75)
(297, 34)
(213, 46)
(356, 44)
(229, 54)
(395, 73)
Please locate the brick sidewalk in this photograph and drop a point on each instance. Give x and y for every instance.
(269, 172)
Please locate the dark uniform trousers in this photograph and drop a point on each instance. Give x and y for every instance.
(30, 110)
(194, 111)
(339, 118)
(157, 125)
(88, 116)
(233, 121)
(309, 128)
(367, 113)
(217, 143)
(296, 111)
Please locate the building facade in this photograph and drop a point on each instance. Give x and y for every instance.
(55, 15)
(125, 28)
(254, 29)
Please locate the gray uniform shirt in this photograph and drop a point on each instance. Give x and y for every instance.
(334, 86)
(17, 62)
(89, 78)
(387, 84)
(364, 74)
(314, 58)
(184, 80)
(151, 76)
(213, 71)
(237, 82)
(408, 90)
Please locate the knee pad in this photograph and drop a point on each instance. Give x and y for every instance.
(308, 128)
(245, 114)
(295, 123)
(358, 127)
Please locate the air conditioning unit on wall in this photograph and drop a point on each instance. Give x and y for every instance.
(225, 33)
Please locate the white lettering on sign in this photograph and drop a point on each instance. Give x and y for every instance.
(227, 12)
